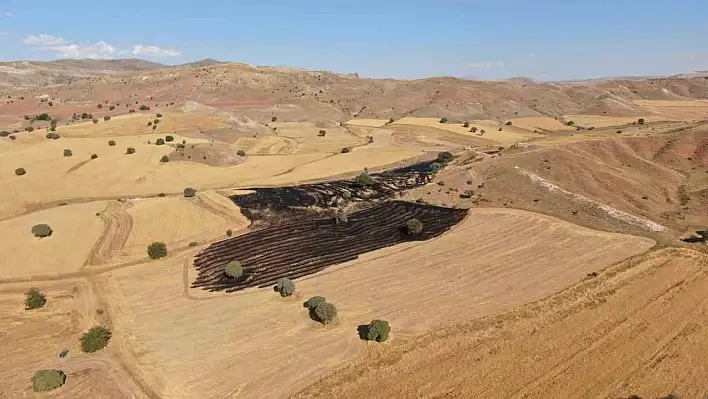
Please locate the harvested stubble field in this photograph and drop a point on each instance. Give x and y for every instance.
(635, 329)
(273, 349)
(307, 247)
(508, 135)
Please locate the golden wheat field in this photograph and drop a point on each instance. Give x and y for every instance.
(507, 136)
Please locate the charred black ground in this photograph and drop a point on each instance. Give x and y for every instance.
(306, 247)
(273, 205)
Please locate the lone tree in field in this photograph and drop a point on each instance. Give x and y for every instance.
(378, 331)
(234, 269)
(95, 339)
(444, 157)
(190, 192)
(160, 141)
(443, 120)
(285, 287)
(20, 171)
(130, 150)
(34, 299)
(41, 230)
(313, 302)
(364, 180)
(68, 153)
(164, 159)
(94, 156)
(473, 130)
(325, 312)
(47, 380)
(414, 227)
(157, 250)
(112, 143)
(169, 138)
(466, 124)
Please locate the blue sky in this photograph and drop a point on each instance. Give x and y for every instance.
(544, 39)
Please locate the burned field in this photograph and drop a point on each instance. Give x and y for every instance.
(273, 205)
(306, 247)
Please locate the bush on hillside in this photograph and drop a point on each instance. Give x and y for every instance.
(285, 287)
(640, 121)
(443, 120)
(130, 150)
(234, 269)
(68, 153)
(325, 313)
(473, 129)
(20, 171)
(53, 125)
(322, 133)
(444, 157)
(346, 150)
(52, 136)
(112, 143)
(157, 250)
(99, 106)
(41, 230)
(313, 302)
(364, 180)
(4, 133)
(95, 339)
(378, 330)
(149, 123)
(190, 192)
(160, 141)
(34, 299)
(165, 159)
(106, 118)
(159, 115)
(47, 380)
(144, 107)
(111, 108)
(94, 156)
(435, 167)
(29, 129)
(466, 124)
(229, 233)
(414, 227)
(274, 119)
(508, 123)
(241, 153)
(95, 120)
(169, 139)
(43, 117)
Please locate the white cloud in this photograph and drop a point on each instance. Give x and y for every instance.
(483, 64)
(63, 48)
(7, 14)
(139, 49)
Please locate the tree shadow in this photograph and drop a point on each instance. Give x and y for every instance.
(363, 331)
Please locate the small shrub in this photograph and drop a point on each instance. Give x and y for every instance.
(160, 141)
(95, 339)
(144, 108)
(53, 125)
(20, 171)
(4, 133)
(149, 124)
(640, 121)
(94, 156)
(95, 120)
(165, 159)
(241, 153)
(570, 123)
(444, 157)
(52, 136)
(111, 143)
(325, 312)
(130, 150)
(157, 250)
(364, 180)
(274, 119)
(99, 106)
(435, 167)
(285, 287)
(169, 139)
(346, 150)
(12, 137)
(378, 330)
(189, 192)
(106, 118)
(414, 227)
(443, 120)
(29, 129)
(473, 129)
(619, 132)
(156, 121)
(41, 230)
(43, 117)
(193, 244)
(67, 153)
(508, 123)
(111, 108)
(34, 299)
(313, 302)
(229, 233)
(234, 269)
(322, 133)
(47, 380)
(162, 195)
(466, 124)
(159, 115)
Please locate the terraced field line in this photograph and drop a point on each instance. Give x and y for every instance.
(119, 224)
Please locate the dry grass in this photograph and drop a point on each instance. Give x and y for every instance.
(600, 121)
(76, 229)
(367, 122)
(540, 123)
(507, 136)
(136, 124)
(636, 330)
(273, 349)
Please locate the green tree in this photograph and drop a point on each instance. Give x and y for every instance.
(169, 138)
(130, 150)
(157, 250)
(144, 108)
(190, 192)
(160, 141)
(111, 107)
(20, 171)
(444, 157)
(640, 121)
(414, 227)
(53, 125)
(285, 287)
(34, 299)
(443, 120)
(378, 330)
(95, 339)
(68, 153)
(165, 159)
(47, 380)
(325, 313)
(234, 269)
(466, 124)
(94, 156)
(364, 180)
(41, 230)
(111, 143)
(313, 302)
(106, 118)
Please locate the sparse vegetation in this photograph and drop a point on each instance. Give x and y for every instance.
(234, 269)
(157, 250)
(274, 119)
(378, 330)
(159, 115)
(99, 106)
(190, 192)
(52, 136)
(43, 117)
(34, 299)
(20, 171)
(473, 129)
(41, 230)
(95, 339)
(414, 227)
(47, 380)
(285, 287)
(111, 108)
(95, 120)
